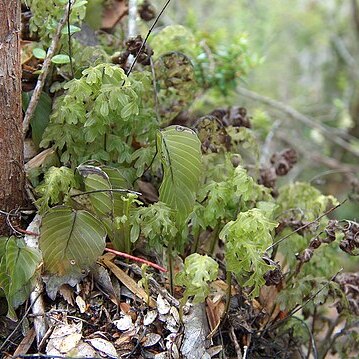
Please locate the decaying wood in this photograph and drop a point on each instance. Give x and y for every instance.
(12, 178)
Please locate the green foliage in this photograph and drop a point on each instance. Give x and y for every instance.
(301, 289)
(180, 151)
(57, 184)
(46, 15)
(18, 265)
(218, 67)
(109, 201)
(102, 111)
(246, 240)
(175, 38)
(304, 198)
(221, 201)
(198, 271)
(156, 223)
(40, 119)
(70, 241)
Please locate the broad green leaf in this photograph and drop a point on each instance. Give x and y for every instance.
(40, 118)
(180, 151)
(61, 59)
(39, 53)
(18, 264)
(70, 241)
(118, 179)
(95, 180)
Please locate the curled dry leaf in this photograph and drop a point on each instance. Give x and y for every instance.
(150, 317)
(151, 339)
(125, 323)
(104, 346)
(163, 306)
(64, 338)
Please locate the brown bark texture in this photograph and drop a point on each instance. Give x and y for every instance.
(11, 138)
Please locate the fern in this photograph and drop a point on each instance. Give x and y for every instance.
(99, 117)
(198, 271)
(246, 240)
(57, 184)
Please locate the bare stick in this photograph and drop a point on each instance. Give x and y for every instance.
(306, 225)
(44, 72)
(136, 259)
(69, 38)
(115, 190)
(294, 114)
(235, 343)
(147, 36)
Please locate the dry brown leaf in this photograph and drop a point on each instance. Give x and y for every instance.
(26, 343)
(39, 159)
(114, 13)
(215, 311)
(267, 300)
(67, 293)
(127, 281)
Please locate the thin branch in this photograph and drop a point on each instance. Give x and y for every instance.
(348, 169)
(120, 190)
(44, 72)
(136, 259)
(19, 323)
(306, 225)
(300, 307)
(295, 115)
(235, 342)
(147, 36)
(69, 39)
(311, 337)
(355, 12)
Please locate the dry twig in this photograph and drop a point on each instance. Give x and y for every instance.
(45, 70)
(295, 115)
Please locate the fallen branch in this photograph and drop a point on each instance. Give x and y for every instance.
(44, 71)
(295, 115)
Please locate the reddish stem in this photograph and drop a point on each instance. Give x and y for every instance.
(27, 232)
(136, 259)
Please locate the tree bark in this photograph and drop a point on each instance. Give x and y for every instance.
(12, 177)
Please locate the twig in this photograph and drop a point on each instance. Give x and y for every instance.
(120, 190)
(44, 72)
(306, 225)
(311, 336)
(156, 287)
(292, 312)
(344, 331)
(294, 114)
(147, 36)
(18, 324)
(267, 143)
(132, 14)
(136, 259)
(235, 342)
(69, 38)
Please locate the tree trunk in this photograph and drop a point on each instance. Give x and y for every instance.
(12, 177)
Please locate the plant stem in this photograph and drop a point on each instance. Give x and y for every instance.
(195, 243)
(170, 265)
(126, 228)
(214, 239)
(228, 294)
